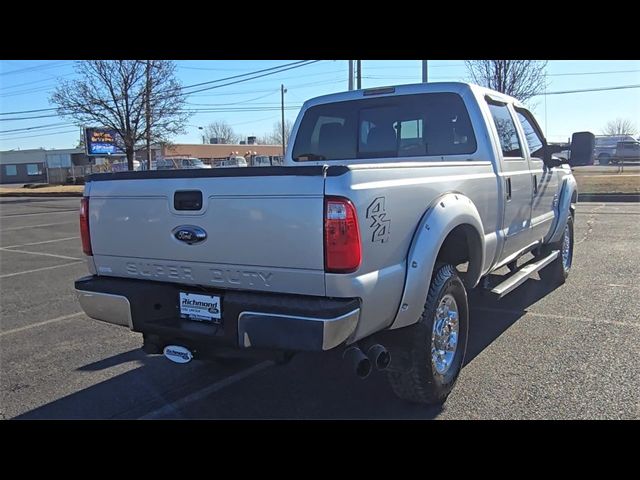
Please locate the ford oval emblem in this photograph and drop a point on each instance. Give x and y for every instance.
(189, 234)
(178, 354)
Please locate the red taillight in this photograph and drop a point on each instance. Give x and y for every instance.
(342, 249)
(85, 235)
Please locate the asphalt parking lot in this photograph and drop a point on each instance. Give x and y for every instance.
(539, 353)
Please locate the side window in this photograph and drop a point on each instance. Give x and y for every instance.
(506, 131)
(531, 135)
(33, 169)
(10, 170)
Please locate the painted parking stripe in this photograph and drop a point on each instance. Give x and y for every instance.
(64, 257)
(555, 316)
(41, 243)
(7, 275)
(37, 226)
(171, 408)
(75, 210)
(46, 322)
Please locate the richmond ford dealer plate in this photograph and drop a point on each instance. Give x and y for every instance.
(202, 308)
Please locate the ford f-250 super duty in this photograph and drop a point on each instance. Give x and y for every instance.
(392, 203)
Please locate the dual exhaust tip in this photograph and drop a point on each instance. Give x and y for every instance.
(362, 361)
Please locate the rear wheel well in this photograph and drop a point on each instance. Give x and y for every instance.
(462, 246)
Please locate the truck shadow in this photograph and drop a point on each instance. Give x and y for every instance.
(311, 386)
(491, 317)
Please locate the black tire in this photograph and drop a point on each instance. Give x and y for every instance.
(557, 272)
(421, 382)
(604, 159)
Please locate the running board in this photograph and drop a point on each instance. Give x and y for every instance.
(523, 274)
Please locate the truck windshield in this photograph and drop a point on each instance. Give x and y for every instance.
(398, 126)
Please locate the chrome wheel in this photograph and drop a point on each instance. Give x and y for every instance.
(566, 248)
(444, 338)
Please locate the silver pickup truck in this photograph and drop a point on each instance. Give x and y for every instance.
(392, 203)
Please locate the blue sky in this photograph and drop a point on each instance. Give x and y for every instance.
(26, 85)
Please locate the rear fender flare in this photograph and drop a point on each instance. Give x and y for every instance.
(443, 215)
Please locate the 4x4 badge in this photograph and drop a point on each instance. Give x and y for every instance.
(380, 223)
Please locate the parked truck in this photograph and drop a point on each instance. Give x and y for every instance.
(391, 205)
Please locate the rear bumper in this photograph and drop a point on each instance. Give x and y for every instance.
(249, 319)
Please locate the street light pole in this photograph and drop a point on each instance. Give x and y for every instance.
(148, 114)
(282, 92)
(359, 74)
(425, 73)
(350, 75)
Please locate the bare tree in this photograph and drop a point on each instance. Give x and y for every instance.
(221, 130)
(521, 79)
(112, 94)
(276, 135)
(620, 126)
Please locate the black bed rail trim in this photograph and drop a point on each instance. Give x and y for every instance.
(306, 171)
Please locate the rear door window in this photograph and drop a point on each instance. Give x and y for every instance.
(386, 127)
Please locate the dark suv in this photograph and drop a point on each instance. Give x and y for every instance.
(626, 152)
(605, 147)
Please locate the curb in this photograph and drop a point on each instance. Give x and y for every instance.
(32, 194)
(609, 197)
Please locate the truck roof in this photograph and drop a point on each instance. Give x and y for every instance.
(408, 89)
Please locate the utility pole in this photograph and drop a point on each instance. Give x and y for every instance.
(425, 73)
(282, 92)
(148, 114)
(350, 75)
(359, 73)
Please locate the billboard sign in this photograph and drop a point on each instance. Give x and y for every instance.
(102, 142)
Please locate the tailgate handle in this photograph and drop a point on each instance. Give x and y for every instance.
(187, 200)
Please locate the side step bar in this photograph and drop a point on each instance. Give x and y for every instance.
(523, 274)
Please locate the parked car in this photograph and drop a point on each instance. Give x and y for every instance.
(605, 146)
(178, 164)
(628, 151)
(392, 204)
(236, 161)
(261, 161)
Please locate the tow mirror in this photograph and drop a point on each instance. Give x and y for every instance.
(582, 145)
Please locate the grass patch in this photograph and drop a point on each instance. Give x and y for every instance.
(608, 183)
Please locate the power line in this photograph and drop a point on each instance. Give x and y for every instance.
(591, 73)
(38, 127)
(620, 87)
(36, 68)
(245, 74)
(272, 92)
(28, 111)
(40, 135)
(252, 78)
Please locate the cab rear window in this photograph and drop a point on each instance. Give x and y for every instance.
(400, 126)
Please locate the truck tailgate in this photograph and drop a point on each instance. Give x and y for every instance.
(264, 231)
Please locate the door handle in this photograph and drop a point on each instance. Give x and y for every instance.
(508, 188)
(535, 184)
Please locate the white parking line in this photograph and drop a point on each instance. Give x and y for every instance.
(7, 275)
(40, 253)
(75, 210)
(37, 226)
(40, 243)
(171, 408)
(46, 322)
(551, 315)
